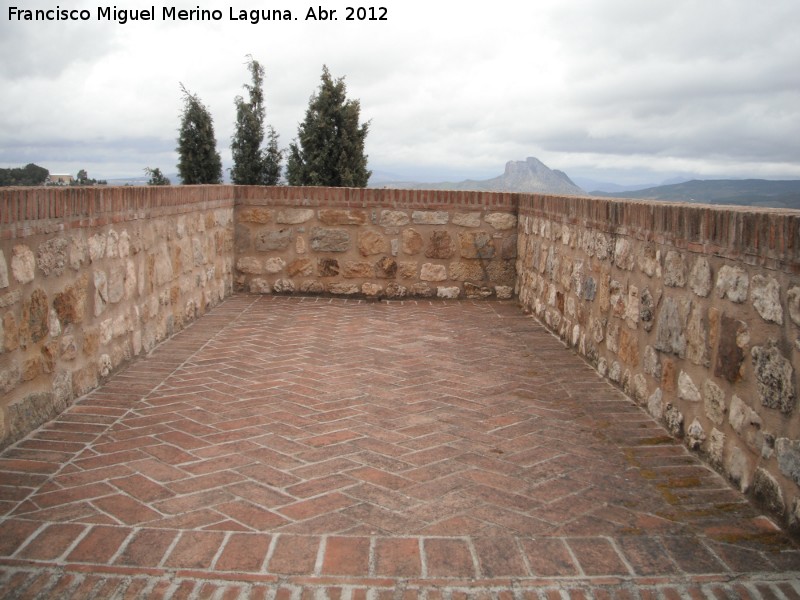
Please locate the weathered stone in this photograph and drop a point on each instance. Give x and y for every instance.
(344, 289)
(84, 380)
(335, 216)
(412, 242)
(501, 221)
(372, 242)
(327, 267)
(262, 216)
(687, 390)
(670, 335)
(161, 272)
(673, 419)
(695, 436)
(116, 285)
(650, 362)
(448, 292)
(716, 446)
(700, 277)
(471, 219)
(31, 368)
(697, 338)
(639, 388)
(70, 305)
(68, 348)
(654, 404)
(267, 240)
(647, 309)
(407, 270)
(589, 287)
(259, 285)
(714, 402)
(274, 265)
(508, 248)
(431, 272)
(612, 337)
(394, 218)
(467, 270)
(504, 292)
(35, 325)
(3, 272)
(242, 239)
(358, 270)
(300, 245)
(502, 272)
(249, 265)
(633, 308)
(29, 413)
(732, 283)
(476, 244)
(765, 295)
(650, 261)
(422, 289)
(430, 217)
(674, 269)
(774, 378)
(77, 252)
(395, 290)
(767, 492)
(441, 245)
(629, 348)
(623, 254)
(743, 419)
(283, 286)
(730, 350)
(312, 287)
(293, 216)
(52, 256)
(788, 453)
(100, 292)
(738, 469)
(793, 299)
(23, 264)
(371, 290)
(476, 292)
(324, 239)
(97, 247)
(615, 372)
(300, 266)
(386, 268)
(603, 245)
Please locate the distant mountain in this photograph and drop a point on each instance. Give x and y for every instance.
(743, 192)
(530, 175)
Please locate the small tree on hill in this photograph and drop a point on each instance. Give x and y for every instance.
(251, 164)
(199, 161)
(330, 142)
(156, 177)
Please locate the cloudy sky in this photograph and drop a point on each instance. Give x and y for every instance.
(614, 90)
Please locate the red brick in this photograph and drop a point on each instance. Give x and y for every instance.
(127, 510)
(549, 557)
(397, 557)
(244, 552)
(52, 542)
(597, 556)
(251, 515)
(142, 488)
(294, 555)
(499, 557)
(147, 548)
(195, 550)
(13, 534)
(316, 506)
(448, 558)
(346, 556)
(99, 545)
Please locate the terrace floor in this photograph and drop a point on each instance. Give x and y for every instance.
(297, 448)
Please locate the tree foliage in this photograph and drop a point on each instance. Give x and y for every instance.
(253, 165)
(82, 178)
(30, 174)
(198, 159)
(156, 177)
(330, 142)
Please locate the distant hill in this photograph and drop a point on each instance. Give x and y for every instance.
(742, 192)
(530, 175)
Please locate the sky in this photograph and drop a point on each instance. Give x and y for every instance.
(625, 91)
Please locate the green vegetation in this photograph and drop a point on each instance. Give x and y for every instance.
(83, 179)
(253, 165)
(30, 174)
(156, 177)
(330, 145)
(198, 162)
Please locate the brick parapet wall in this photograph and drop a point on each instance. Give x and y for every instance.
(693, 310)
(90, 277)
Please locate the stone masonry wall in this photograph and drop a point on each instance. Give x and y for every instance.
(693, 310)
(90, 277)
(375, 243)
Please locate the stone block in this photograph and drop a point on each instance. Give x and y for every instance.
(386, 268)
(430, 217)
(732, 283)
(674, 269)
(35, 323)
(262, 216)
(670, 335)
(407, 270)
(293, 216)
(116, 285)
(422, 289)
(395, 290)
(274, 265)
(501, 221)
(476, 244)
(23, 264)
(697, 337)
(327, 267)
(283, 286)
(624, 254)
(267, 240)
(774, 378)
(335, 216)
(52, 256)
(467, 270)
(767, 492)
(733, 337)
(700, 277)
(431, 272)
(372, 242)
(714, 402)
(476, 292)
(504, 292)
(412, 242)
(687, 390)
(344, 289)
(508, 248)
(470, 219)
(371, 290)
(3, 271)
(765, 295)
(358, 270)
(324, 239)
(448, 292)
(70, 304)
(394, 218)
(440, 245)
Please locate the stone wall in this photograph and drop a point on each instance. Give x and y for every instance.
(693, 310)
(375, 243)
(90, 277)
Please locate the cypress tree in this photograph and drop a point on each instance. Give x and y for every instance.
(329, 149)
(198, 159)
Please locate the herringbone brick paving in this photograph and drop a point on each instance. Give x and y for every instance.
(317, 448)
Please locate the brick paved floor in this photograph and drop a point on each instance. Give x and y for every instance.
(311, 448)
